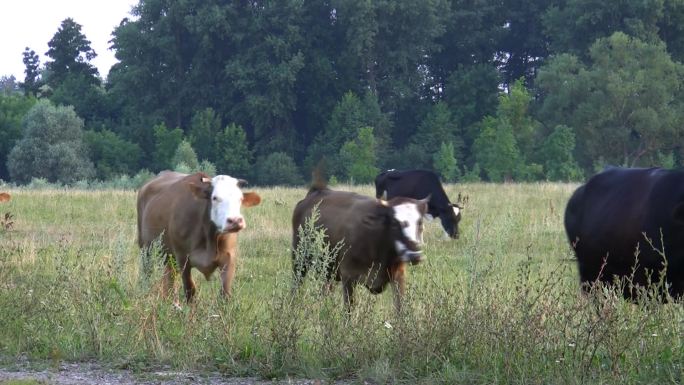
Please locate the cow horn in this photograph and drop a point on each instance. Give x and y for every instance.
(206, 180)
(461, 201)
(242, 183)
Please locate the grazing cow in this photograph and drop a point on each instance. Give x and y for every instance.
(419, 184)
(5, 197)
(198, 218)
(378, 239)
(615, 214)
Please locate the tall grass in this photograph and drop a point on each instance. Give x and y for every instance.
(501, 305)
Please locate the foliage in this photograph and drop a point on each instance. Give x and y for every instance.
(32, 80)
(445, 163)
(437, 127)
(52, 147)
(204, 127)
(506, 144)
(112, 155)
(624, 106)
(497, 151)
(165, 144)
(557, 152)
(13, 109)
(277, 168)
(359, 157)
(185, 155)
(233, 156)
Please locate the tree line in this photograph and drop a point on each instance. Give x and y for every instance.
(473, 89)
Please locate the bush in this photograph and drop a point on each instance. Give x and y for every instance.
(52, 147)
(277, 168)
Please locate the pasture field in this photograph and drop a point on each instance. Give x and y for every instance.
(500, 305)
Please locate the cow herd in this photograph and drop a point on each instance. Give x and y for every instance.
(622, 224)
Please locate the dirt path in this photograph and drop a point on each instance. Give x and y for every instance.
(90, 373)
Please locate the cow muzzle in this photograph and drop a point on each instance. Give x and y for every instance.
(234, 224)
(409, 253)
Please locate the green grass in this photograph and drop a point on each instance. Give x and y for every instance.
(501, 305)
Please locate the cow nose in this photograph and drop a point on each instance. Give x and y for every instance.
(236, 222)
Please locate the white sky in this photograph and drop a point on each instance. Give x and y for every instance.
(33, 23)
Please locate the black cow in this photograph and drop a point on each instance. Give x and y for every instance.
(419, 184)
(615, 214)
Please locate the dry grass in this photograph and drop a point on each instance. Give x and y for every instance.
(501, 305)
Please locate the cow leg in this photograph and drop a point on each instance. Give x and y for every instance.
(398, 285)
(188, 283)
(227, 274)
(348, 294)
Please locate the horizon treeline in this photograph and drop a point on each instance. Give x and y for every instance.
(264, 90)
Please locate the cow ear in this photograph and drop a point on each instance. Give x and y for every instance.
(201, 191)
(250, 199)
(678, 214)
(242, 183)
(380, 217)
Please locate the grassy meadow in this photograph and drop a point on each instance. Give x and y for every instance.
(500, 305)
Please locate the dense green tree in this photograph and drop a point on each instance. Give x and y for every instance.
(574, 25)
(472, 92)
(277, 168)
(73, 80)
(497, 152)
(346, 119)
(437, 127)
(112, 155)
(233, 156)
(13, 109)
(444, 162)
(625, 106)
(204, 127)
(185, 155)
(557, 154)
(52, 147)
(8, 85)
(523, 45)
(359, 157)
(166, 142)
(32, 80)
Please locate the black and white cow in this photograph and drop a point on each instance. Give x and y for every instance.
(418, 184)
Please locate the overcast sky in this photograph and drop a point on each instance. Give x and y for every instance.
(33, 23)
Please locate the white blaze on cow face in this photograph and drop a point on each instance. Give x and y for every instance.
(457, 210)
(226, 199)
(408, 215)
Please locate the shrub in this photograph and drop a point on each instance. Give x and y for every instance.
(52, 147)
(277, 168)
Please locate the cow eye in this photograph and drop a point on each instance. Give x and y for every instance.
(404, 224)
(215, 198)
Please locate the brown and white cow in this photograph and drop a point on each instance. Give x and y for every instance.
(199, 218)
(379, 239)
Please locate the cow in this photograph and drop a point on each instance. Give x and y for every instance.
(198, 219)
(418, 184)
(377, 239)
(5, 197)
(628, 223)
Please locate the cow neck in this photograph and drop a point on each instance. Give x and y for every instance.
(210, 233)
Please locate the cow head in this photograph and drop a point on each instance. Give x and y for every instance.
(452, 216)
(407, 227)
(226, 199)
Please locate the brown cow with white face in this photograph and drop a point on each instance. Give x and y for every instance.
(199, 218)
(379, 239)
